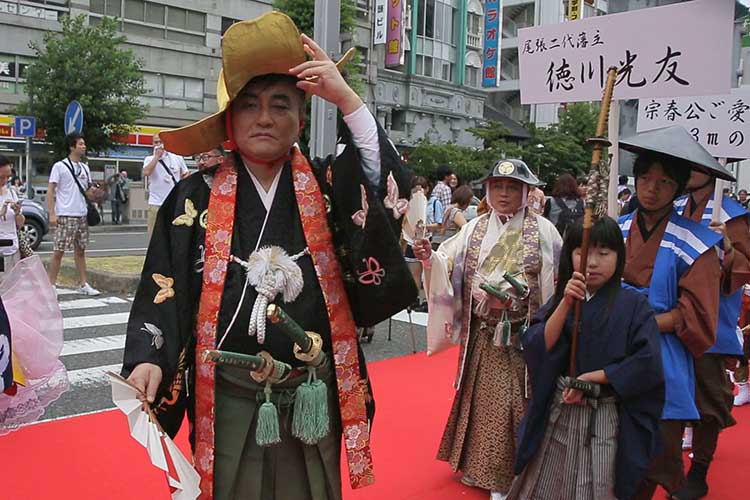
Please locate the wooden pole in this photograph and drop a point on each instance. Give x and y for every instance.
(588, 215)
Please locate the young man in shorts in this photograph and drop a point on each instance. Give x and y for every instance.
(67, 211)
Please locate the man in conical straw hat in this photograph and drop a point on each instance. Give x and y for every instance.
(316, 237)
(673, 261)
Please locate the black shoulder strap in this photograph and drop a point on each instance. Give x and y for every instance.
(168, 170)
(562, 205)
(69, 164)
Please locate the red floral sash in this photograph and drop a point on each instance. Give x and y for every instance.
(352, 389)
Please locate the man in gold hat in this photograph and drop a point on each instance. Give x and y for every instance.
(268, 226)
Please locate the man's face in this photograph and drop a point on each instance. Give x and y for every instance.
(266, 120)
(157, 142)
(79, 148)
(208, 159)
(655, 189)
(124, 174)
(505, 195)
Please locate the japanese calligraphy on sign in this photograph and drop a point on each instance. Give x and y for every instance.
(394, 47)
(492, 35)
(720, 123)
(379, 26)
(568, 62)
(575, 8)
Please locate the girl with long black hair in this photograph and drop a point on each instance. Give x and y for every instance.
(595, 444)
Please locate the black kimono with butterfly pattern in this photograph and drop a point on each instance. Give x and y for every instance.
(158, 332)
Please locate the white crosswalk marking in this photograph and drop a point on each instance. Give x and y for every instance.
(95, 320)
(69, 305)
(94, 339)
(96, 375)
(418, 318)
(96, 344)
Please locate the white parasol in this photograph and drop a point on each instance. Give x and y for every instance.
(182, 478)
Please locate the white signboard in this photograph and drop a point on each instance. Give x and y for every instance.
(379, 30)
(674, 50)
(720, 123)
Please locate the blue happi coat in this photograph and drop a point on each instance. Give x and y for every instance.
(683, 242)
(727, 341)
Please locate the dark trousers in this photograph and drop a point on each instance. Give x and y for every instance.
(116, 211)
(713, 395)
(666, 468)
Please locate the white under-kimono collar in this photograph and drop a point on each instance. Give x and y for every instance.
(266, 197)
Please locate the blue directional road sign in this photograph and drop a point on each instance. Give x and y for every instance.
(74, 118)
(25, 126)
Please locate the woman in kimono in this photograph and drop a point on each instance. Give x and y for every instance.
(491, 396)
(31, 340)
(579, 445)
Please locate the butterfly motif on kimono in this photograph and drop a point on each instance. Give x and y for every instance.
(188, 217)
(165, 285)
(392, 201)
(157, 337)
(360, 216)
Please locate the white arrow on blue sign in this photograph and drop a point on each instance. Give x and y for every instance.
(25, 126)
(74, 118)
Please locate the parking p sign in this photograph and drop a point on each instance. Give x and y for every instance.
(25, 126)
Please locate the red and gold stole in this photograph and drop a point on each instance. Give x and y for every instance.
(351, 388)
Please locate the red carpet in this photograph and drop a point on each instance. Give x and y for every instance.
(93, 457)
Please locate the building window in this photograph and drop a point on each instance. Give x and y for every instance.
(174, 92)
(13, 73)
(437, 30)
(398, 120)
(471, 76)
(226, 22)
(474, 24)
(152, 20)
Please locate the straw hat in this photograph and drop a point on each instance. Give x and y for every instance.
(269, 44)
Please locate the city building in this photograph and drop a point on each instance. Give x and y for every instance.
(435, 94)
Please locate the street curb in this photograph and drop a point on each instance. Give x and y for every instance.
(120, 228)
(102, 280)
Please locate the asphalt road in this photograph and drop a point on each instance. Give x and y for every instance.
(94, 334)
(105, 244)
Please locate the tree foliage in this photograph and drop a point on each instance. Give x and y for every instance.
(550, 152)
(87, 64)
(467, 163)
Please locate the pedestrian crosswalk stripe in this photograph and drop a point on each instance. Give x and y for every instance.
(113, 300)
(95, 320)
(96, 344)
(69, 305)
(417, 318)
(96, 375)
(65, 291)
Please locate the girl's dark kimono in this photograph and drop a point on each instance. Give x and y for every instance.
(618, 334)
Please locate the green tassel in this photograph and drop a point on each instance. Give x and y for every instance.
(267, 432)
(506, 330)
(310, 421)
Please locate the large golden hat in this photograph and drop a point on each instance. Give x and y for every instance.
(269, 44)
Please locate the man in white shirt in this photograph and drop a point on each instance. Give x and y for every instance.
(67, 210)
(164, 170)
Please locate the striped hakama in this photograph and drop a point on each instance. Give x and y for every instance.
(577, 457)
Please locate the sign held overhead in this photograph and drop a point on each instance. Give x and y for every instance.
(674, 50)
(720, 123)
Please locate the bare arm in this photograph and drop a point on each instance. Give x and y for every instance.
(51, 189)
(149, 167)
(459, 219)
